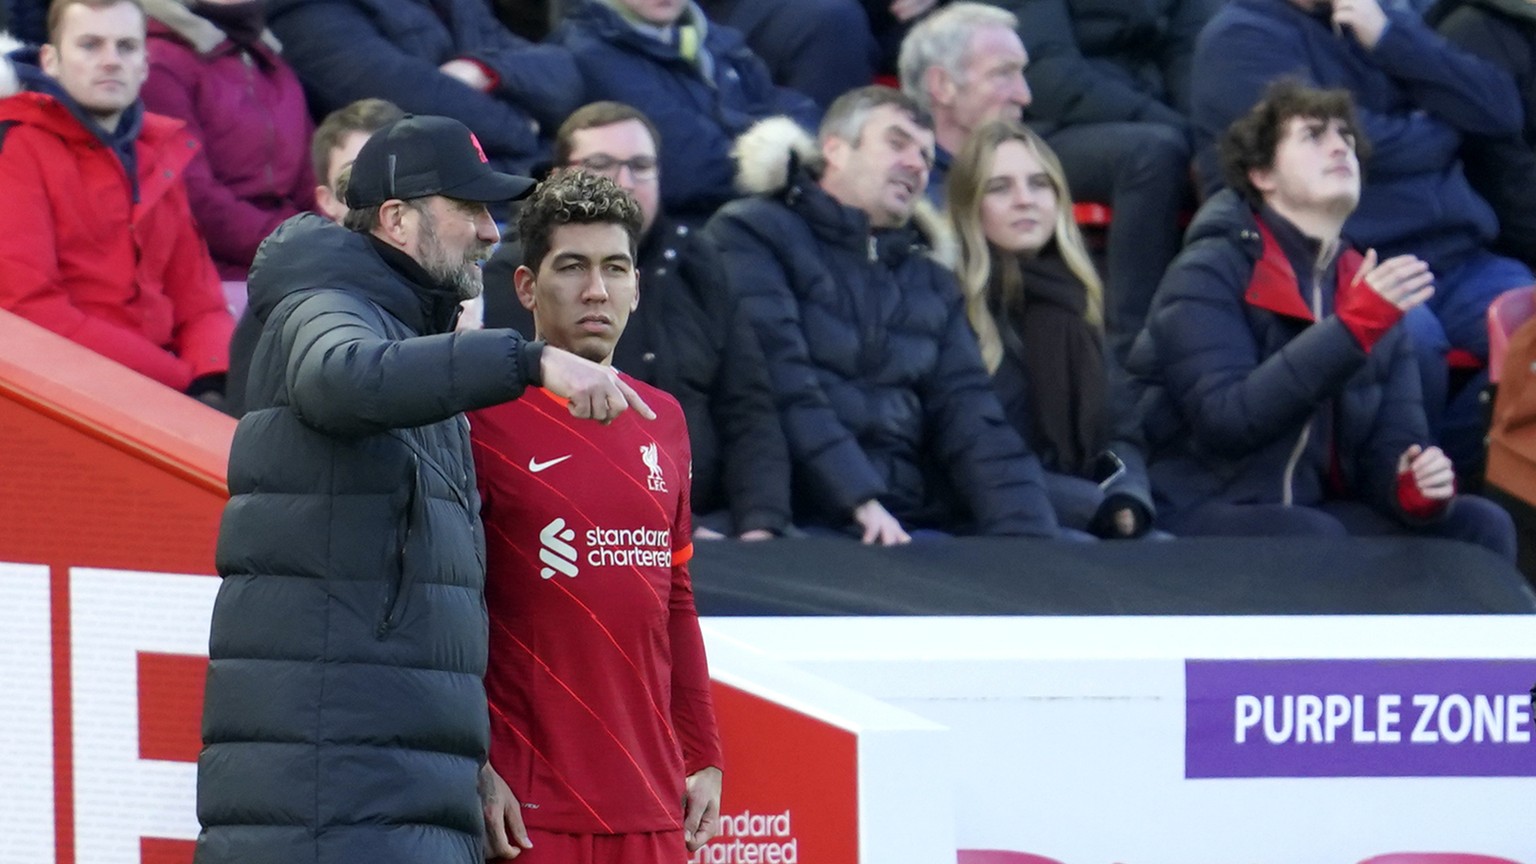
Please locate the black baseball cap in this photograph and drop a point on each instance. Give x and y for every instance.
(420, 155)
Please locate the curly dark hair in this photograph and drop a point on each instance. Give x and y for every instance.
(1249, 143)
(574, 198)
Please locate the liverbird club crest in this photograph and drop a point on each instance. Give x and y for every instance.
(652, 459)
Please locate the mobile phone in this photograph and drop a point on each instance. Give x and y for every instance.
(1108, 468)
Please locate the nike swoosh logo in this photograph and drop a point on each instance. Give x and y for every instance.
(535, 466)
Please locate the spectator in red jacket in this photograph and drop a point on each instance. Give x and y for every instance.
(97, 240)
(214, 65)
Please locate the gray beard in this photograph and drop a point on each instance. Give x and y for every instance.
(465, 280)
(463, 275)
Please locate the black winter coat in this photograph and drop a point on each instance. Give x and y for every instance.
(345, 50)
(1502, 169)
(879, 383)
(1238, 382)
(1109, 61)
(690, 338)
(345, 719)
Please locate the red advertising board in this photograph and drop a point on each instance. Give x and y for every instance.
(104, 468)
(791, 792)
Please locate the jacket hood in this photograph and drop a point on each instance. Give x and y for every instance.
(202, 34)
(776, 155)
(48, 106)
(309, 252)
(10, 83)
(767, 154)
(1224, 214)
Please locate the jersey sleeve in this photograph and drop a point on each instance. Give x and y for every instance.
(693, 710)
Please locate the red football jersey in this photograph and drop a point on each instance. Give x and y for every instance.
(597, 682)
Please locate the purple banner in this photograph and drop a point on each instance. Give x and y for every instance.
(1358, 718)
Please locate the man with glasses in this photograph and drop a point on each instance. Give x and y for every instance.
(687, 337)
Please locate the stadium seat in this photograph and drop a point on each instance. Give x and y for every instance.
(1505, 315)
(1091, 215)
(1000, 856)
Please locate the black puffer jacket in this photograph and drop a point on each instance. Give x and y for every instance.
(345, 718)
(1250, 397)
(879, 382)
(1109, 61)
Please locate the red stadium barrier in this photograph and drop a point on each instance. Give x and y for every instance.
(111, 489)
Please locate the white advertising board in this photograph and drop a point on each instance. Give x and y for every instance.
(1220, 740)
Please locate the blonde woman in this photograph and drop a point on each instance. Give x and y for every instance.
(1037, 306)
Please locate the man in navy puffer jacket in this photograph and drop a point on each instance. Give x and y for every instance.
(890, 416)
(1418, 97)
(445, 57)
(1281, 394)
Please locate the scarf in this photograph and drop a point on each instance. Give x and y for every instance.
(686, 34)
(1063, 360)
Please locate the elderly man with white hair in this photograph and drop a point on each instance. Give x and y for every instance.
(966, 64)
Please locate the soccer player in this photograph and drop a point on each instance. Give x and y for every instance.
(603, 738)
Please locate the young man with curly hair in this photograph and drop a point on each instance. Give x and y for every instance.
(603, 737)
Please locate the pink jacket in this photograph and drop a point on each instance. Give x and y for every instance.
(248, 110)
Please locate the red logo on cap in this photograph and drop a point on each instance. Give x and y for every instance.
(478, 149)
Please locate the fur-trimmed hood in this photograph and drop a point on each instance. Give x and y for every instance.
(776, 154)
(202, 34)
(10, 84)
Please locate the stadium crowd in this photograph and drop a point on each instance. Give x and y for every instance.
(862, 270)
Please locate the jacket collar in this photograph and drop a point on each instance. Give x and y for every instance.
(612, 26)
(46, 106)
(838, 224)
(439, 306)
(1274, 285)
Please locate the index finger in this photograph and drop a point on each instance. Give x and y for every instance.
(634, 399)
(1404, 267)
(1405, 258)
